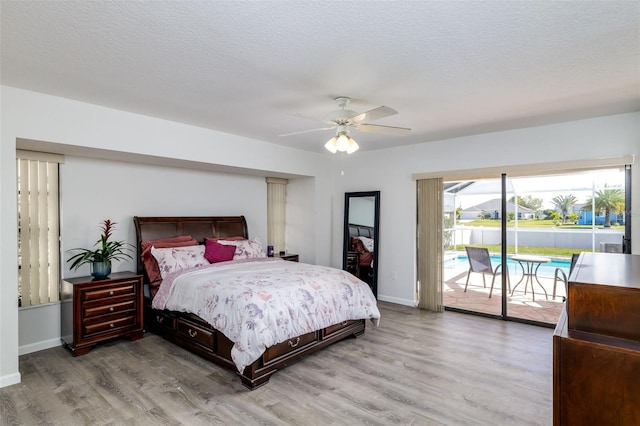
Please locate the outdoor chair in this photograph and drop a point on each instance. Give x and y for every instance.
(560, 275)
(480, 262)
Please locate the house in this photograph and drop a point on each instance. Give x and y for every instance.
(121, 160)
(586, 218)
(493, 209)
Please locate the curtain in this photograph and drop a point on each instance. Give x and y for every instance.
(38, 228)
(430, 244)
(276, 208)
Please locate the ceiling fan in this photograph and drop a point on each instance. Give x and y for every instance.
(343, 119)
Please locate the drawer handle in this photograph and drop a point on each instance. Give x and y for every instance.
(192, 333)
(111, 309)
(293, 345)
(111, 293)
(159, 319)
(111, 325)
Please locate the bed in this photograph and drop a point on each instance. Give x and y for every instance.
(196, 334)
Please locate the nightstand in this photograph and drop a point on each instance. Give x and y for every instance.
(288, 256)
(93, 311)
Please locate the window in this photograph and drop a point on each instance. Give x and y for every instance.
(38, 228)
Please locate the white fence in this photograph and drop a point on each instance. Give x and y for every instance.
(585, 239)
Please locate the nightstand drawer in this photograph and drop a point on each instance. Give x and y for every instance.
(121, 289)
(113, 325)
(128, 305)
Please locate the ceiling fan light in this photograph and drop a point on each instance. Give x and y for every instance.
(342, 143)
(331, 145)
(353, 146)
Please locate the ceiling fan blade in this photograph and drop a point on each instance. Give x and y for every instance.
(374, 114)
(387, 130)
(306, 117)
(306, 131)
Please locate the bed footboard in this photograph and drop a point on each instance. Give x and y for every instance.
(197, 336)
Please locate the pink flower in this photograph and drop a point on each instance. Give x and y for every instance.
(264, 295)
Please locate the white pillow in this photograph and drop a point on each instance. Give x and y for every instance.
(368, 243)
(245, 249)
(176, 258)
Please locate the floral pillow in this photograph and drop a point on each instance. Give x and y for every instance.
(150, 263)
(175, 258)
(215, 252)
(245, 249)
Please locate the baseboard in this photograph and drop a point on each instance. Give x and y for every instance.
(396, 300)
(39, 346)
(9, 380)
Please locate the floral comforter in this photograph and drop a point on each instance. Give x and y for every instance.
(258, 303)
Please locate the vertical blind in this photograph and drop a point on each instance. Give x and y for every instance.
(276, 208)
(38, 227)
(430, 244)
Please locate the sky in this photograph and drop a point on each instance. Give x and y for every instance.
(546, 187)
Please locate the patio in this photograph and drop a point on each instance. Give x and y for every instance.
(519, 305)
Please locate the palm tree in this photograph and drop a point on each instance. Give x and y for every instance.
(564, 203)
(607, 201)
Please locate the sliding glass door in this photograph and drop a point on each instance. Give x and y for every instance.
(530, 226)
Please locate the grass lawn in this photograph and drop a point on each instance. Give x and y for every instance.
(561, 252)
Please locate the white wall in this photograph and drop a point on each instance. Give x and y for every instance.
(601, 137)
(147, 190)
(299, 229)
(219, 164)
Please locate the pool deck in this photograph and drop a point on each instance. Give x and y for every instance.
(519, 304)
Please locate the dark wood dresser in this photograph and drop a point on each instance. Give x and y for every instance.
(93, 311)
(596, 344)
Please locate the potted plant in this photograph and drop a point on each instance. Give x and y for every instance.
(100, 259)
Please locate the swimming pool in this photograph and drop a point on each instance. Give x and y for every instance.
(545, 270)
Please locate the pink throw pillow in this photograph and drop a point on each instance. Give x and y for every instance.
(215, 252)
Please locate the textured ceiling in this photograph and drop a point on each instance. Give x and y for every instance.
(450, 68)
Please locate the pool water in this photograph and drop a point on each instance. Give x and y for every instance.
(545, 270)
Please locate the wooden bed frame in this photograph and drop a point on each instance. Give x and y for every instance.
(196, 335)
(360, 231)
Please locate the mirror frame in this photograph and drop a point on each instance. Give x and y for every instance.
(376, 236)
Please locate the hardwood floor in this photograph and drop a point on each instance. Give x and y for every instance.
(417, 368)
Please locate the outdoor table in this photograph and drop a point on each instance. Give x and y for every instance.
(530, 265)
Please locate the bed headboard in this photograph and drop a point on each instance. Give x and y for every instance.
(360, 231)
(199, 227)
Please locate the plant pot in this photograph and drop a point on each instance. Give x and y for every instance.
(100, 270)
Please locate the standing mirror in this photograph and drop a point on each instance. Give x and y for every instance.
(361, 234)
